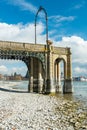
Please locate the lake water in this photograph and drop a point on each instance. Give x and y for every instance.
(80, 89)
(79, 92)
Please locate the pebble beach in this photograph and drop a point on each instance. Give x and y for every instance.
(31, 111)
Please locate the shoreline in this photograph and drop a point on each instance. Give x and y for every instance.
(29, 111)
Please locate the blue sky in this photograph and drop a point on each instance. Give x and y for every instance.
(67, 24)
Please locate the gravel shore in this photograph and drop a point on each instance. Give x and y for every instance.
(28, 111)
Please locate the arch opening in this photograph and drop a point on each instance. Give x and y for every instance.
(33, 62)
(12, 75)
(59, 74)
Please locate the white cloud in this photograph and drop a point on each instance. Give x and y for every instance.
(11, 70)
(78, 47)
(25, 33)
(23, 5)
(21, 33)
(3, 69)
(59, 18)
(79, 5)
(11, 66)
(19, 70)
(76, 6)
(80, 70)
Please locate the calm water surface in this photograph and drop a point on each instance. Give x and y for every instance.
(79, 92)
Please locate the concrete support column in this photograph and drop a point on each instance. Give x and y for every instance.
(56, 78)
(30, 88)
(50, 81)
(68, 80)
(65, 71)
(40, 79)
(59, 88)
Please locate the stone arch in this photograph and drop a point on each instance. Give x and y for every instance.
(15, 76)
(57, 72)
(22, 55)
(39, 56)
(28, 57)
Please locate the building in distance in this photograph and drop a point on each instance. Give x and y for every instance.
(81, 78)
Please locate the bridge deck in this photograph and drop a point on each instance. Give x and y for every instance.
(8, 45)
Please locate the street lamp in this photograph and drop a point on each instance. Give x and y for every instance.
(40, 9)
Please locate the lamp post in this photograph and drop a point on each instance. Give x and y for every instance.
(40, 9)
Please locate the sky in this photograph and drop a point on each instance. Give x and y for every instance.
(67, 27)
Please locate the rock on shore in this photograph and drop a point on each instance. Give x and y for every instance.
(27, 111)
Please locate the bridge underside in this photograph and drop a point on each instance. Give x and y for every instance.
(43, 63)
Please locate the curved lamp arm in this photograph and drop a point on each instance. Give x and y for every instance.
(42, 9)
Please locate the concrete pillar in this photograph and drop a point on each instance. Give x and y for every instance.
(59, 88)
(68, 81)
(56, 72)
(65, 70)
(55, 76)
(40, 79)
(48, 80)
(30, 88)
